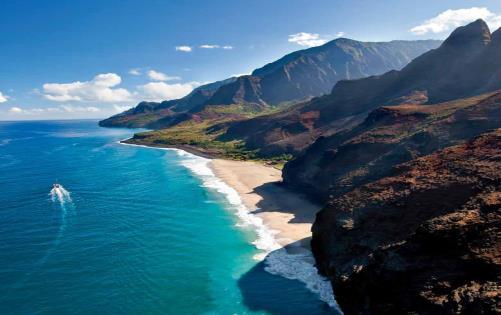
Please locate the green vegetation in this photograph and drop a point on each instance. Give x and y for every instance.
(201, 137)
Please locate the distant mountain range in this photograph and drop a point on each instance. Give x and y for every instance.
(466, 64)
(298, 76)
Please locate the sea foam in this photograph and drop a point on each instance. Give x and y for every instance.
(295, 266)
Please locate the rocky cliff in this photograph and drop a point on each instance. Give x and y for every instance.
(424, 240)
(409, 166)
(389, 135)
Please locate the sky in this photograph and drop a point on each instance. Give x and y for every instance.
(94, 58)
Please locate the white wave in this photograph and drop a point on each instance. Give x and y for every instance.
(295, 266)
(300, 266)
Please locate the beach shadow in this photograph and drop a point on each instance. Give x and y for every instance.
(303, 209)
(274, 294)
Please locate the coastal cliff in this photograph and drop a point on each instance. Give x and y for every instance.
(424, 240)
(389, 135)
(413, 192)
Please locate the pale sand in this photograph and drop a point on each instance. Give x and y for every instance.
(281, 210)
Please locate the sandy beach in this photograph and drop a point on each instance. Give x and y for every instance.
(288, 213)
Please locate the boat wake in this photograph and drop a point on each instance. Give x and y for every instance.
(61, 196)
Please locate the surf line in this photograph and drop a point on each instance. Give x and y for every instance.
(276, 258)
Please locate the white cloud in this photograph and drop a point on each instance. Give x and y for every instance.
(184, 48)
(241, 74)
(15, 110)
(451, 19)
(57, 109)
(3, 98)
(207, 46)
(135, 71)
(99, 89)
(159, 76)
(340, 34)
(76, 109)
(119, 109)
(213, 46)
(160, 91)
(307, 39)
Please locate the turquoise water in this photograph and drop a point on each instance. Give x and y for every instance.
(138, 232)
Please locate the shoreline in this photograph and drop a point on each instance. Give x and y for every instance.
(280, 218)
(188, 148)
(287, 213)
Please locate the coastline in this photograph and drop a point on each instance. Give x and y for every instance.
(287, 213)
(188, 148)
(281, 218)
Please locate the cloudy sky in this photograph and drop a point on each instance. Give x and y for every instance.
(93, 58)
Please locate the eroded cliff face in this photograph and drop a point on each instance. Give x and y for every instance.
(389, 136)
(424, 240)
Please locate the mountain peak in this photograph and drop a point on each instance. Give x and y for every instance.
(475, 34)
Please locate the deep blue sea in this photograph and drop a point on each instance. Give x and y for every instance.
(132, 230)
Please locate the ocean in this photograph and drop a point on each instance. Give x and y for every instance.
(132, 230)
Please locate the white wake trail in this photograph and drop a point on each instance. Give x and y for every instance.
(63, 197)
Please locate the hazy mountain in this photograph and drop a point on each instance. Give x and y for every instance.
(312, 72)
(297, 76)
(147, 114)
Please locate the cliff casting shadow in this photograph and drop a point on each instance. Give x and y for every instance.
(276, 197)
(263, 291)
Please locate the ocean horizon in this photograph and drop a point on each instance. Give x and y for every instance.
(133, 230)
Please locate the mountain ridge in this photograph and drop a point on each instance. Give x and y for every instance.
(295, 77)
(446, 73)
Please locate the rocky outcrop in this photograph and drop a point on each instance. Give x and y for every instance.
(424, 240)
(390, 135)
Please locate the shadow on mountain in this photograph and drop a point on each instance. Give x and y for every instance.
(263, 291)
